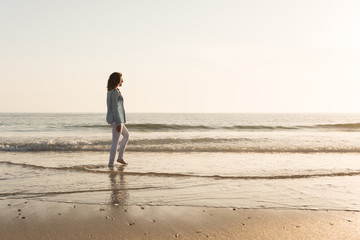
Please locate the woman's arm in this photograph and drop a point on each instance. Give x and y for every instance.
(115, 111)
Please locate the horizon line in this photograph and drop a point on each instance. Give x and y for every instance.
(72, 112)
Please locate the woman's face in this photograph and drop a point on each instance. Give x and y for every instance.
(121, 81)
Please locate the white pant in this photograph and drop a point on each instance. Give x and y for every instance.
(115, 141)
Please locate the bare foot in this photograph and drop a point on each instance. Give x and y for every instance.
(121, 161)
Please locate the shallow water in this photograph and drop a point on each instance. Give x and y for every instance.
(224, 160)
(193, 179)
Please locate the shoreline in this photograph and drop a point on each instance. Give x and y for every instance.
(34, 219)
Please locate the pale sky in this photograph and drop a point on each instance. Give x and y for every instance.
(181, 56)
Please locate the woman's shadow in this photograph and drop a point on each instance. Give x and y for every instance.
(119, 194)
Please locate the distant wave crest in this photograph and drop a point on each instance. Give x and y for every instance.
(178, 127)
(145, 127)
(349, 126)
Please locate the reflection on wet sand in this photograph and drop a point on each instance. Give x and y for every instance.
(119, 194)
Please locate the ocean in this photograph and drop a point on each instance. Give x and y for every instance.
(282, 161)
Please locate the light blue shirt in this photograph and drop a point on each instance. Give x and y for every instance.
(115, 107)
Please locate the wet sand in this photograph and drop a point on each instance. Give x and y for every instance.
(30, 219)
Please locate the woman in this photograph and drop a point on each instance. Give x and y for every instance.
(116, 117)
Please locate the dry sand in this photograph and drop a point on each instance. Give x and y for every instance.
(30, 219)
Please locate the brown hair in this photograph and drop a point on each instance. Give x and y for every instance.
(113, 81)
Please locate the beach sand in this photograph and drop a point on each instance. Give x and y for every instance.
(33, 219)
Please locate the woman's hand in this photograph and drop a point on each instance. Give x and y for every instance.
(118, 128)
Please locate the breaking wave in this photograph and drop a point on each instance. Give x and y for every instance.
(236, 145)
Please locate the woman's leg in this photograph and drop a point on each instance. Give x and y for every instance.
(123, 141)
(115, 140)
